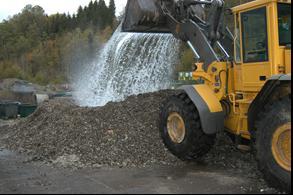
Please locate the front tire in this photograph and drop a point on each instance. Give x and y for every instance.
(273, 144)
(181, 129)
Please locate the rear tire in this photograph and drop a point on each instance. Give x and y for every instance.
(275, 167)
(195, 143)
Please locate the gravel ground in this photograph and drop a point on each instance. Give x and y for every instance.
(121, 134)
(7, 123)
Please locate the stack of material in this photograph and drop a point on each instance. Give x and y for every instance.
(123, 134)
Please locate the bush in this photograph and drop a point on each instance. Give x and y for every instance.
(9, 70)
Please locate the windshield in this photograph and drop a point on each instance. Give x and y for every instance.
(254, 35)
(284, 18)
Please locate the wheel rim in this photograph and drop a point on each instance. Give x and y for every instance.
(176, 128)
(281, 146)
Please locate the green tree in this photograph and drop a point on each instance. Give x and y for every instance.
(103, 14)
(95, 16)
(112, 12)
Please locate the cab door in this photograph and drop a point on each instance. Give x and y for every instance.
(255, 67)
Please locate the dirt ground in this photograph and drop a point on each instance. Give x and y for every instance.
(20, 175)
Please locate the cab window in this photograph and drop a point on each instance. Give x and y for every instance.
(254, 35)
(284, 18)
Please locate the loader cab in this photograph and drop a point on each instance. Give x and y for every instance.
(262, 42)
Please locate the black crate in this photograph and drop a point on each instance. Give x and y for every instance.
(9, 110)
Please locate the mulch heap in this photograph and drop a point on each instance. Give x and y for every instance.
(121, 134)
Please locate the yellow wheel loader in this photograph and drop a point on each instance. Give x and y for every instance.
(243, 78)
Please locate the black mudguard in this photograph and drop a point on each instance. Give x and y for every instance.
(212, 120)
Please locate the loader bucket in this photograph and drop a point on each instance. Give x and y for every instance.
(144, 16)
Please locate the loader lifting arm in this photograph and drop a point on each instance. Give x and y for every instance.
(186, 20)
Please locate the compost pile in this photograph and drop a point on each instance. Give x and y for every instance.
(122, 134)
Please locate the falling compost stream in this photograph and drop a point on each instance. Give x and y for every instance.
(129, 64)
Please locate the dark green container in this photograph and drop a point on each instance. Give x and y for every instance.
(24, 110)
(8, 110)
(62, 94)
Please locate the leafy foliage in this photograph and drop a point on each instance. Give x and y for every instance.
(40, 48)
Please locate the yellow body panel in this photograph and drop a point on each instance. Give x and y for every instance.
(288, 61)
(247, 75)
(239, 83)
(255, 4)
